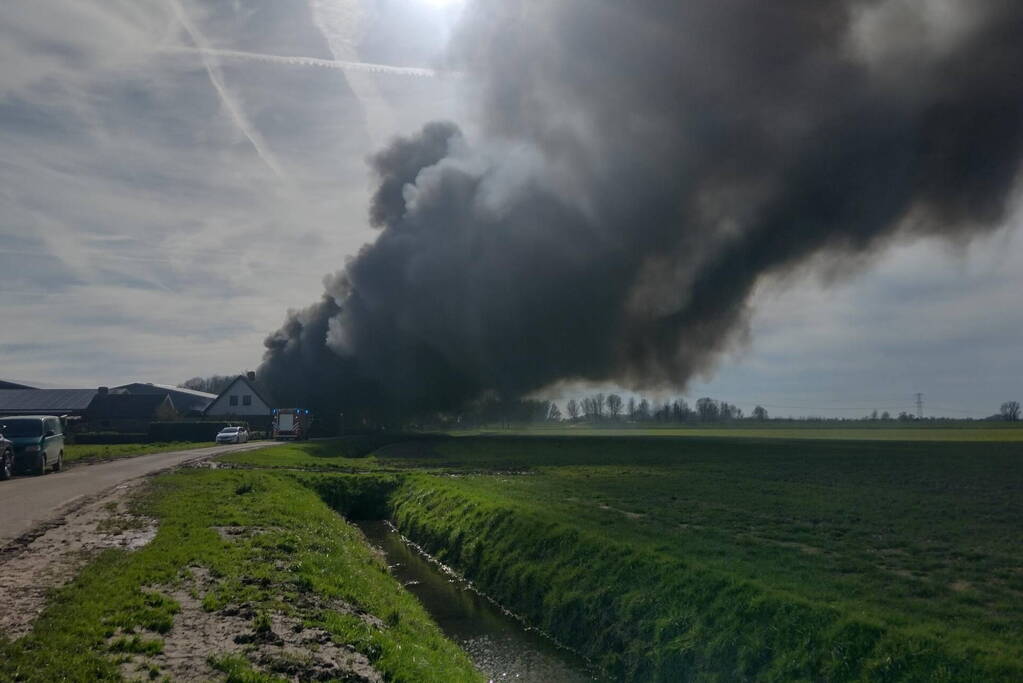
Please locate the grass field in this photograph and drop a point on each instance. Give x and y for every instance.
(697, 557)
(96, 452)
(289, 556)
(961, 431)
(745, 557)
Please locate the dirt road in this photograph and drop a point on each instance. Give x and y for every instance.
(26, 502)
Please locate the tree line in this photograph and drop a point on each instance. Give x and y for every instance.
(213, 384)
(611, 407)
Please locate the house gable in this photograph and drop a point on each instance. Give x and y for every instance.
(240, 398)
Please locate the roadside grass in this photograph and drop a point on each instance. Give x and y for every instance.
(346, 454)
(303, 552)
(80, 453)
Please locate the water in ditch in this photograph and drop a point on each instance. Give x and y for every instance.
(498, 644)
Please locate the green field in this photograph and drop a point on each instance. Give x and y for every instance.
(719, 558)
(659, 558)
(845, 431)
(98, 452)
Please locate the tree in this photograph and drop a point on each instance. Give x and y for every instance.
(554, 414)
(707, 409)
(643, 410)
(614, 405)
(598, 405)
(885, 416)
(632, 408)
(213, 384)
(573, 410)
(760, 414)
(1010, 411)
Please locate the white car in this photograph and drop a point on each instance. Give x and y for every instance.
(233, 435)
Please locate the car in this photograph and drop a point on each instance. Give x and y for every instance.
(6, 459)
(233, 435)
(37, 442)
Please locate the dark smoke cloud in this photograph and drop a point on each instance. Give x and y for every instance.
(643, 165)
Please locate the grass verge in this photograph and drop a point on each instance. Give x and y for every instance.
(81, 453)
(268, 546)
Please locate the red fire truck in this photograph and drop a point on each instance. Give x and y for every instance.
(291, 424)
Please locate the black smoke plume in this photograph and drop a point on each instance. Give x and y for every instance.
(642, 165)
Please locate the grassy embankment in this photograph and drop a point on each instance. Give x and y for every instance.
(80, 453)
(297, 558)
(723, 559)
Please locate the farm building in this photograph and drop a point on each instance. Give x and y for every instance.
(72, 402)
(128, 412)
(186, 401)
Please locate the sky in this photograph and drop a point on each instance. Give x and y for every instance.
(176, 174)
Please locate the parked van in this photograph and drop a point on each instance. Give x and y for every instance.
(38, 442)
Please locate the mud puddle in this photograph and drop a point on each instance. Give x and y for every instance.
(498, 644)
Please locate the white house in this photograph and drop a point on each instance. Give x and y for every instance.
(243, 398)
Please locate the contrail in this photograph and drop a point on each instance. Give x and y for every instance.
(365, 67)
(232, 107)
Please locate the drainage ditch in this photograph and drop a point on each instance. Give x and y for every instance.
(498, 644)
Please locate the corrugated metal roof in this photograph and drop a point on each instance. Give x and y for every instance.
(151, 388)
(53, 400)
(14, 384)
(184, 399)
(128, 406)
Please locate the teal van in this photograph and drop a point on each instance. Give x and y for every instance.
(38, 442)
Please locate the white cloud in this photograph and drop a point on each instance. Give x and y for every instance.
(146, 232)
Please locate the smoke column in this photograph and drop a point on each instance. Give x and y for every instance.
(642, 166)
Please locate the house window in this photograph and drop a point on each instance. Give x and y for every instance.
(246, 400)
(234, 400)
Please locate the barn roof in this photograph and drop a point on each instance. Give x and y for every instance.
(184, 399)
(49, 401)
(14, 384)
(127, 406)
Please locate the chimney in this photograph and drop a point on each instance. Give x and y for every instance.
(103, 391)
(251, 375)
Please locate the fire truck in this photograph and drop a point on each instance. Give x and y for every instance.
(291, 424)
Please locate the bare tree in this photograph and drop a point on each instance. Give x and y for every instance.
(708, 409)
(632, 408)
(213, 384)
(573, 409)
(598, 405)
(643, 410)
(554, 413)
(614, 406)
(1010, 411)
(760, 413)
